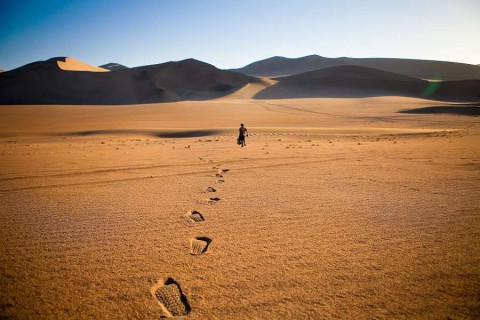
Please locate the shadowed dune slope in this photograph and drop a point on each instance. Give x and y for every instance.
(468, 110)
(423, 69)
(45, 83)
(357, 82)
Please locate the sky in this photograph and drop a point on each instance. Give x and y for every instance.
(234, 33)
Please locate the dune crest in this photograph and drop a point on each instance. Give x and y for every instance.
(71, 64)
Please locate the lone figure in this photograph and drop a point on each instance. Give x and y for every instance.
(241, 136)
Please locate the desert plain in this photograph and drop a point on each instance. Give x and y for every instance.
(337, 208)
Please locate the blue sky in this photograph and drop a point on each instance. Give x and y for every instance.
(231, 33)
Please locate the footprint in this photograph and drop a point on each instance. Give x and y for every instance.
(213, 200)
(224, 170)
(218, 175)
(220, 181)
(195, 216)
(210, 189)
(199, 245)
(171, 299)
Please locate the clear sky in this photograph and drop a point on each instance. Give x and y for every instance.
(233, 33)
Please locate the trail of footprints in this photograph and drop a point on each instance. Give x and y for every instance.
(168, 294)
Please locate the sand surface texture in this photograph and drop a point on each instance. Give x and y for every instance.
(335, 209)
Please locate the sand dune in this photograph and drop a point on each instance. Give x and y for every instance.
(68, 81)
(343, 81)
(45, 83)
(354, 81)
(422, 69)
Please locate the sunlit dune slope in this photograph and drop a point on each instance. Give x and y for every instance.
(71, 64)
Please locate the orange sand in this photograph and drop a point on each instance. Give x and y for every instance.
(71, 64)
(336, 209)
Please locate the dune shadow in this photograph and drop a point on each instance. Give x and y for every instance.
(187, 134)
(152, 133)
(464, 110)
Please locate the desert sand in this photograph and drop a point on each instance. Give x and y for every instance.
(335, 209)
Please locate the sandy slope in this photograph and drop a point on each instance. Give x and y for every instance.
(336, 209)
(71, 64)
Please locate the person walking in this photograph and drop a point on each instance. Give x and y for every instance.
(242, 131)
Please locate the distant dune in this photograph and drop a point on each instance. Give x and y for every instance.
(112, 66)
(422, 69)
(54, 82)
(355, 82)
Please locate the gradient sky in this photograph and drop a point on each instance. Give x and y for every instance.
(231, 34)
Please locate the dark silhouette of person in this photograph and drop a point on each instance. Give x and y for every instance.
(242, 131)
